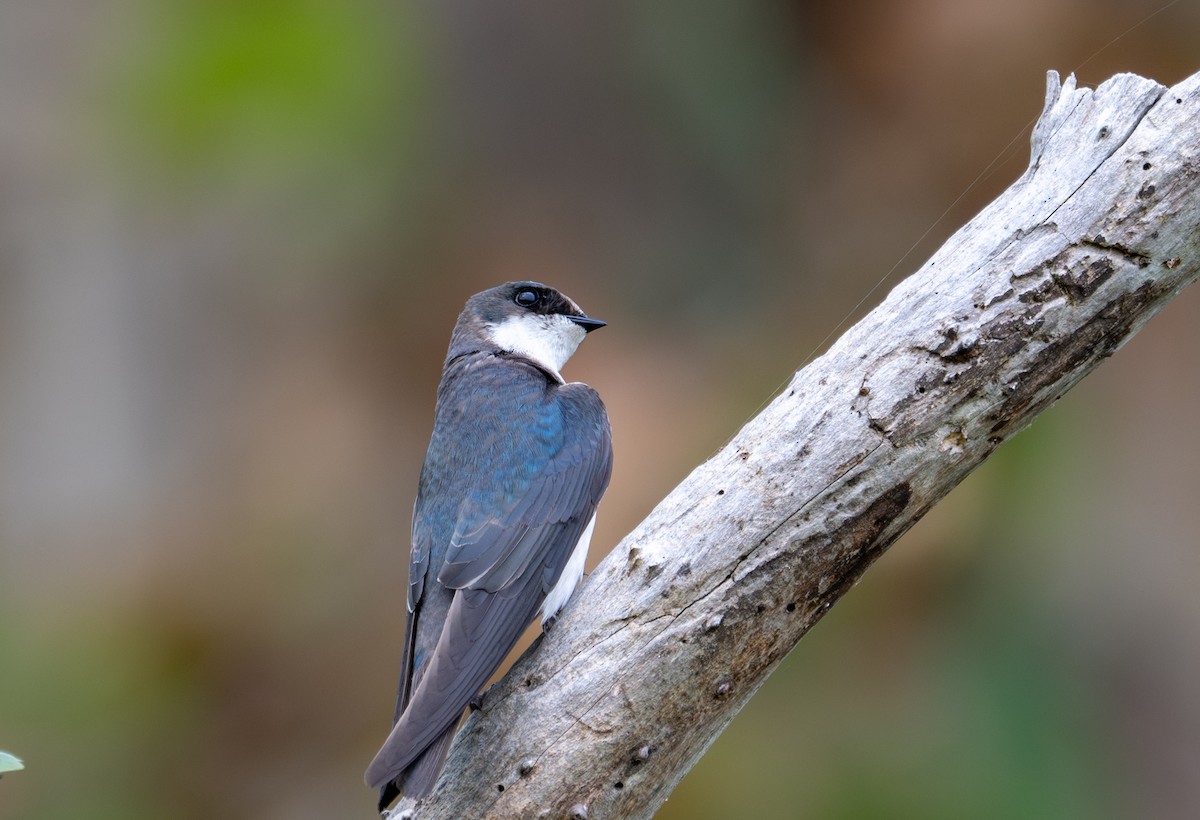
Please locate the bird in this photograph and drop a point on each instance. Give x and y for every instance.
(506, 505)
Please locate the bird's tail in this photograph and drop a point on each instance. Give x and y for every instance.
(420, 776)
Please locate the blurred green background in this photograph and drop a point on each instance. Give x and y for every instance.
(234, 238)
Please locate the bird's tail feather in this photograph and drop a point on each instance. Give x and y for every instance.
(419, 778)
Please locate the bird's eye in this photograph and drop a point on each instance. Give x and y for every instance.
(527, 297)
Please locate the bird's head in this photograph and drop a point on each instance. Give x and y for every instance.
(527, 319)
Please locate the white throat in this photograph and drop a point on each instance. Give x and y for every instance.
(547, 340)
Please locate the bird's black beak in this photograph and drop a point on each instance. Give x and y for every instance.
(587, 323)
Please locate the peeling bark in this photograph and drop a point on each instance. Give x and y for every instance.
(675, 630)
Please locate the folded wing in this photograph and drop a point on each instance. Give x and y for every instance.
(506, 553)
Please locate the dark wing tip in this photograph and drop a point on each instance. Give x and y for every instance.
(387, 795)
(376, 774)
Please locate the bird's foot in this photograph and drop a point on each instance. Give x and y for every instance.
(476, 703)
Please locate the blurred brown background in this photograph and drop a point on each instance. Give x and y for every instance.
(234, 237)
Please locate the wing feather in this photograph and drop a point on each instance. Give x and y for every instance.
(508, 545)
(489, 546)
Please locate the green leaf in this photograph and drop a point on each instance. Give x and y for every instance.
(8, 763)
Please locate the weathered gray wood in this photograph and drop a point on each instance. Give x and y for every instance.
(678, 627)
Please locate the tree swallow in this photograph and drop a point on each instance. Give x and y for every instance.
(505, 509)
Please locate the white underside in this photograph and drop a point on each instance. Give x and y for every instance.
(571, 574)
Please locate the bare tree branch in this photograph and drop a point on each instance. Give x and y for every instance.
(682, 622)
